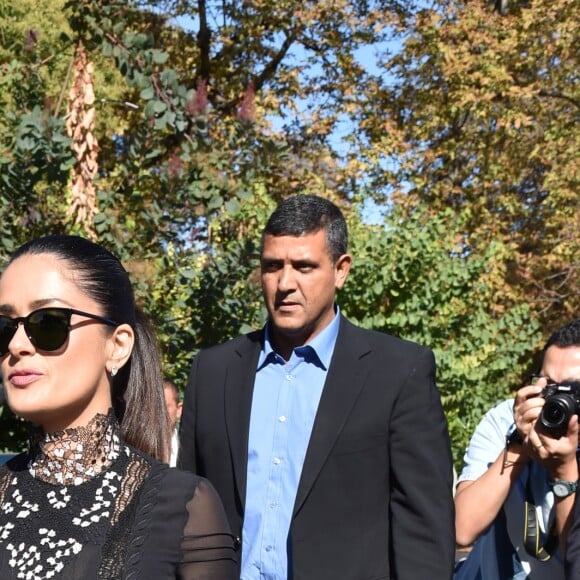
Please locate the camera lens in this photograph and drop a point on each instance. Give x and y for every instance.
(557, 412)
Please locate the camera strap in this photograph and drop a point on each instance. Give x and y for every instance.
(532, 532)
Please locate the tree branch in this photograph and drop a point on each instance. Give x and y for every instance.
(271, 67)
(560, 96)
(203, 42)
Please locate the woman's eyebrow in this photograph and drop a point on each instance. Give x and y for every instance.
(34, 305)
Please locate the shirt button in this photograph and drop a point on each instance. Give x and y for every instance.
(268, 548)
(282, 419)
(289, 377)
(276, 460)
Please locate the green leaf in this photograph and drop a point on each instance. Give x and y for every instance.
(147, 93)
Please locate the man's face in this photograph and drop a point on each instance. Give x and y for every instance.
(562, 363)
(173, 406)
(299, 281)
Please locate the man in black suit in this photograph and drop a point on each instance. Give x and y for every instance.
(327, 443)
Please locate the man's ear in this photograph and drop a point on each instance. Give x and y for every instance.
(121, 344)
(341, 270)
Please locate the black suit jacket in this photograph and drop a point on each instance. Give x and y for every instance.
(375, 496)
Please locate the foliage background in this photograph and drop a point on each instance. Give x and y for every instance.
(447, 132)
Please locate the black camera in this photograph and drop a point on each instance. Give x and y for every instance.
(562, 401)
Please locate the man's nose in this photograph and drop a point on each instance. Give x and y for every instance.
(286, 279)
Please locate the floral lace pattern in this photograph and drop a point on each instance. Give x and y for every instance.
(75, 455)
(71, 493)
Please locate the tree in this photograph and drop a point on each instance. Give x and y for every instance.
(171, 145)
(413, 279)
(482, 117)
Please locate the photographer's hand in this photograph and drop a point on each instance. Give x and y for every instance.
(556, 451)
(527, 408)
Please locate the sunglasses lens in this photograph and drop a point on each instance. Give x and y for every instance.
(48, 329)
(7, 330)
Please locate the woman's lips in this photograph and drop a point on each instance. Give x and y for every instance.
(23, 378)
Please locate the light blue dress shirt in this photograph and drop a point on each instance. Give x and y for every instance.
(284, 405)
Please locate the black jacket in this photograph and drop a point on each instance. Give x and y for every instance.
(375, 495)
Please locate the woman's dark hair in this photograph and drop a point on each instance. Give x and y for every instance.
(307, 214)
(137, 390)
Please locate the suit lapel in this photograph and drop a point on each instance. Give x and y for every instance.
(346, 377)
(239, 386)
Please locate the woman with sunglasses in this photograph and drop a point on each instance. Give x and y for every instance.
(92, 497)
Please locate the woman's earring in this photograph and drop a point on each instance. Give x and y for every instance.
(114, 370)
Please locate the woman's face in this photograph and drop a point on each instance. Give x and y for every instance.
(66, 387)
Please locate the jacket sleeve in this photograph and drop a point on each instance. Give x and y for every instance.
(187, 425)
(422, 510)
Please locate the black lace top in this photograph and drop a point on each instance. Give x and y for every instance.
(81, 504)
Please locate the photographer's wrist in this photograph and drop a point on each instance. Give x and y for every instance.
(517, 453)
(514, 437)
(567, 470)
(514, 451)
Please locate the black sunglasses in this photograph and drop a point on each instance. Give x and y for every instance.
(46, 328)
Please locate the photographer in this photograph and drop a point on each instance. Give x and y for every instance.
(517, 488)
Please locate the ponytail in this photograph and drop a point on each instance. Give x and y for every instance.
(140, 405)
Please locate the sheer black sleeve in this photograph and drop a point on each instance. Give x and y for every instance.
(179, 530)
(208, 548)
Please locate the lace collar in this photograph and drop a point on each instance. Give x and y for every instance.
(75, 455)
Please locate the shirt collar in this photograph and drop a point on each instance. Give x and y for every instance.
(322, 345)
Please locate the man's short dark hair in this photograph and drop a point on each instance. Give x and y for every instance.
(307, 214)
(568, 335)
